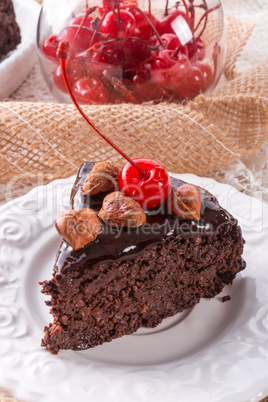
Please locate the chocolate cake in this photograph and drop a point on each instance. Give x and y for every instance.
(132, 277)
(9, 29)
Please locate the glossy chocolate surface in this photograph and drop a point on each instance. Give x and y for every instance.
(127, 243)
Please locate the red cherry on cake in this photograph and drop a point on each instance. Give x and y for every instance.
(151, 188)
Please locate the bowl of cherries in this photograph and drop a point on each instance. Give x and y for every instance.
(126, 51)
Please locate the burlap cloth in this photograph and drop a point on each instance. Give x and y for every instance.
(222, 135)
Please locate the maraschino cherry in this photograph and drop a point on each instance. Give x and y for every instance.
(90, 91)
(136, 57)
(50, 48)
(142, 179)
(151, 188)
(164, 24)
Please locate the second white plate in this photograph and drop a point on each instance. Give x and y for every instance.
(17, 64)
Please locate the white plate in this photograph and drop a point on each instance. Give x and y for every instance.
(213, 352)
(17, 64)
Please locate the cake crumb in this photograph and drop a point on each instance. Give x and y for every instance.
(226, 298)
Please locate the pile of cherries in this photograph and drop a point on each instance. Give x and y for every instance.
(119, 53)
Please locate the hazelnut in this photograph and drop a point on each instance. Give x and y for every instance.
(120, 210)
(78, 227)
(102, 178)
(186, 201)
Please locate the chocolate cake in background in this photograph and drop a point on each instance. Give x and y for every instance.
(127, 278)
(9, 29)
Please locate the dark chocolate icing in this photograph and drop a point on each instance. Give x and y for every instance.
(127, 243)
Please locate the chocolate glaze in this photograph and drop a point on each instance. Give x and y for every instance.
(127, 243)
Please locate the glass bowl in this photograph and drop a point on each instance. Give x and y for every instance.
(132, 51)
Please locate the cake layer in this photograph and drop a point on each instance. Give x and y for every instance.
(136, 277)
(9, 29)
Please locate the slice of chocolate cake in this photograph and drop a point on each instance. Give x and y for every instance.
(9, 29)
(124, 276)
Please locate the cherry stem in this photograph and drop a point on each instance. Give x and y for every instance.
(96, 31)
(123, 38)
(175, 54)
(107, 75)
(152, 25)
(87, 13)
(205, 15)
(186, 10)
(166, 8)
(119, 39)
(215, 56)
(103, 35)
(116, 17)
(62, 54)
(191, 9)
